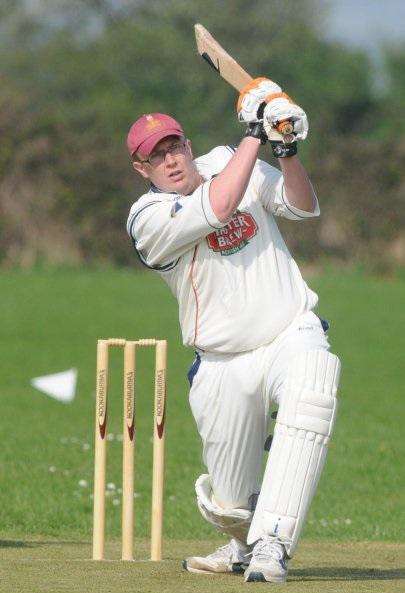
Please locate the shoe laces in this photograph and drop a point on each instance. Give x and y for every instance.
(269, 548)
(229, 550)
(222, 552)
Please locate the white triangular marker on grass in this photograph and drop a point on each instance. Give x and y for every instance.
(60, 386)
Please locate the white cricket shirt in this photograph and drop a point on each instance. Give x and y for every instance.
(236, 283)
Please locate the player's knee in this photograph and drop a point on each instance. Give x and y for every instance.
(309, 401)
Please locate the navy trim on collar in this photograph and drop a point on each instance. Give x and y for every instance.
(156, 190)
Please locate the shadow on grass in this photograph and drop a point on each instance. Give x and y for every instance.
(8, 543)
(342, 573)
(16, 543)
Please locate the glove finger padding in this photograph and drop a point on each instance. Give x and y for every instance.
(252, 96)
(279, 109)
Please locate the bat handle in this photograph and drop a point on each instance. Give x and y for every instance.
(285, 127)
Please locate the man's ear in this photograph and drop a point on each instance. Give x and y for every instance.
(140, 168)
(188, 144)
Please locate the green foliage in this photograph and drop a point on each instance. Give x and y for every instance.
(391, 125)
(75, 75)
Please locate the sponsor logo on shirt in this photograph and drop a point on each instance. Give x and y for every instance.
(235, 235)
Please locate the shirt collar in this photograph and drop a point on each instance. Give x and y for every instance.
(156, 190)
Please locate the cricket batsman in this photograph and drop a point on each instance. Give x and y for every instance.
(208, 227)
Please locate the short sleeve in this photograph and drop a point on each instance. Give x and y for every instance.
(269, 185)
(163, 227)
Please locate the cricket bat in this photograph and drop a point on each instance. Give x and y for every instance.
(227, 67)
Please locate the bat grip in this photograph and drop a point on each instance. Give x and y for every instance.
(285, 127)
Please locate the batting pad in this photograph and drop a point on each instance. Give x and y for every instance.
(233, 522)
(297, 455)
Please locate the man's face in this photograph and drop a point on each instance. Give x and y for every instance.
(170, 166)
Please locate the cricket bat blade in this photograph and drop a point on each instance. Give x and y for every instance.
(228, 68)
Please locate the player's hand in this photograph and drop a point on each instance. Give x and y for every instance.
(280, 109)
(252, 99)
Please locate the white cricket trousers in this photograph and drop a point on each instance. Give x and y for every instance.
(230, 398)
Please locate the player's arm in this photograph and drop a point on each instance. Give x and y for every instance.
(228, 187)
(298, 188)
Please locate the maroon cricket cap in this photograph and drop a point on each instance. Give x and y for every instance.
(149, 129)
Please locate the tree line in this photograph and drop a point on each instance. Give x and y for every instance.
(75, 75)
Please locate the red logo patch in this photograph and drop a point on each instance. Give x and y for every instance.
(235, 235)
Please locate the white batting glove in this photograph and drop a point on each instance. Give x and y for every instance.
(280, 109)
(252, 96)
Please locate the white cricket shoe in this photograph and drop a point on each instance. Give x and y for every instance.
(234, 557)
(268, 563)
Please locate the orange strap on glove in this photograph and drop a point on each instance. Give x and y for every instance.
(255, 96)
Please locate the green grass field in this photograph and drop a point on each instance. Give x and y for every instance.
(51, 321)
